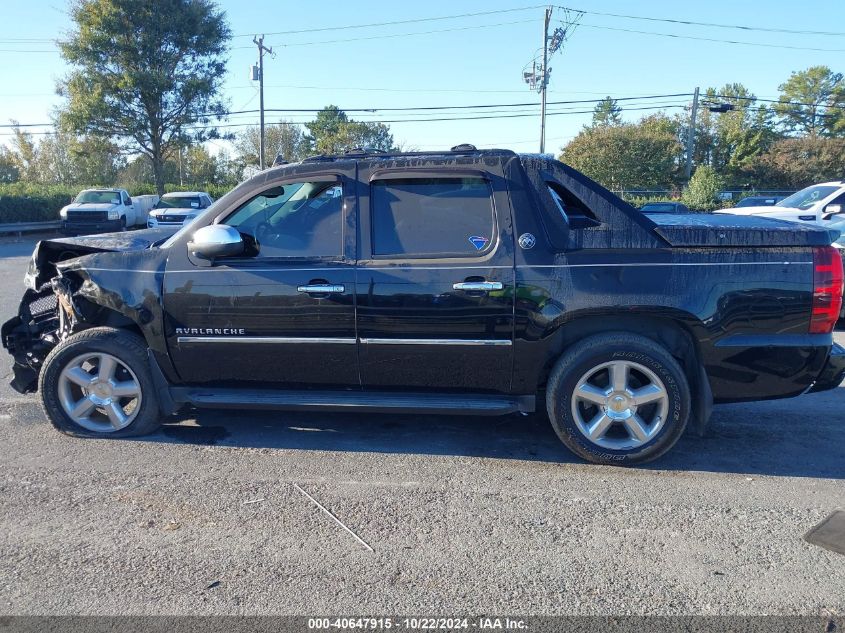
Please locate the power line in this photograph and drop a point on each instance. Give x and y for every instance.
(480, 111)
(439, 119)
(709, 24)
(395, 35)
(711, 39)
(398, 22)
(481, 106)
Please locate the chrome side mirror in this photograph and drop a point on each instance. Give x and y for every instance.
(831, 210)
(216, 240)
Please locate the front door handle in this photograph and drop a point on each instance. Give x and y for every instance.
(483, 286)
(321, 289)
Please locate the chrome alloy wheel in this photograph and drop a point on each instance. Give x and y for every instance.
(620, 405)
(99, 392)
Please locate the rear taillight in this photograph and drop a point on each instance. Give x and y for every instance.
(827, 289)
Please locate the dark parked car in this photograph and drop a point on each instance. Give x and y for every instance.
(460, 282)
(664, 207)
(759, 201)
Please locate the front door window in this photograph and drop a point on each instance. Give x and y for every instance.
(298, 219)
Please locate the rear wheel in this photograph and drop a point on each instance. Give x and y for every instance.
(618, 398)
(97, 383)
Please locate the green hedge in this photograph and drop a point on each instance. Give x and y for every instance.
(26, 202)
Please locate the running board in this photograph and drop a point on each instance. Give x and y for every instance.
(383, 402)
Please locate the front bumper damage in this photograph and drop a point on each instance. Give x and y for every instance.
(82, 282)
(31, 335)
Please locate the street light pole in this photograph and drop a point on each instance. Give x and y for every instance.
(259, 41)
(691, 135)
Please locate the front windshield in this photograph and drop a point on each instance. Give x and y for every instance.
(658, 207)
(97, 197)
(806, 198)
(178, 202)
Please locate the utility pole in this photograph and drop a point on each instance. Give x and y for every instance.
(691, 135)
(544, 81)
(259, 42)
(537, 77)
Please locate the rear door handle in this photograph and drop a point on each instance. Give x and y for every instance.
(484, 286)
(321, 289)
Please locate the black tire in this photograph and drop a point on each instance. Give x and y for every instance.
(130, 349)
(595, 351)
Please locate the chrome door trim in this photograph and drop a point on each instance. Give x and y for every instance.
(321, 289)
(266, 339)
(483, 286)
(436, 341)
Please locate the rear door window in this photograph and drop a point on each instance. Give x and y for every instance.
(432, 217)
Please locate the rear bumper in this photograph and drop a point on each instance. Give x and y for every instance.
(834, 370)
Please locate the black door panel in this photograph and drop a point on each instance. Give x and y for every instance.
(284, 317)
(280, 335)
(417, 331)
(419, 325)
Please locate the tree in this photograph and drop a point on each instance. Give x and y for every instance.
(285, 139)
(8, 166)
(332, 132)
(199, 167)
(607, 112)
(25, 153)
(729, 141)
(641, 155)
(702, 191)
(146, 74)
(795, 163)
(64, 158)
(812, 102)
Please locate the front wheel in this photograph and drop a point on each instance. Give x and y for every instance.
(618, 398)
(97, 383)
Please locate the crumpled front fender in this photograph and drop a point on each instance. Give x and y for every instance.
(128, 283)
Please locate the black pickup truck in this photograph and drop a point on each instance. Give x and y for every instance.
(460, 282)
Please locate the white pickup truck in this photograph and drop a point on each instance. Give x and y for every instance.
(99, 211)
(822, 204)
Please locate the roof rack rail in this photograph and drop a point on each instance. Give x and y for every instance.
(364, 150)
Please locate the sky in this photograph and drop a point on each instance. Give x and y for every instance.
(471, 60)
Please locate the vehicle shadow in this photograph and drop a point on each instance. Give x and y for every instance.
(800, 437)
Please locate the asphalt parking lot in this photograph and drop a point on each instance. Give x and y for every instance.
(455, 516)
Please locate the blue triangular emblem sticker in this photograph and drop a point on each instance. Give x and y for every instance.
(479, 242)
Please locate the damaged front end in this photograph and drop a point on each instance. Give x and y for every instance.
(31, 335)
(62, 298)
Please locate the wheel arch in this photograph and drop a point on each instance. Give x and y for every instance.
(677, 331)
(669, 331)
(674, 331)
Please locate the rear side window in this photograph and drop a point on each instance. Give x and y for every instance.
(568, 205)
(432, 217)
